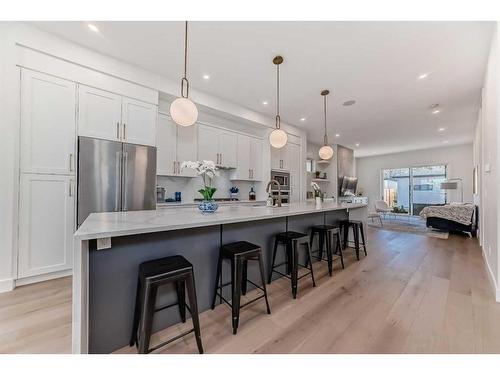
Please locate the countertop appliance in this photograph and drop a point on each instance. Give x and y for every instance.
(283, 179)
(114, 176)
(160, 194)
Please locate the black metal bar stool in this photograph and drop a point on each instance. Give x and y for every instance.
(291, 241)
(325, 234)
(357, 229)
(239, 253)
(152, 274)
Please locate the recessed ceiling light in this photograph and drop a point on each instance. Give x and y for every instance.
(441, 130)
(357, 144)
(93, 27)
(436, 111)
(348, 103)
(206, 76)
(446, 142)
(423, 76)
(303, 119)
(264, 102)
(337, 135)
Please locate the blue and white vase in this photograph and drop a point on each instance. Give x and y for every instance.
(208, 207)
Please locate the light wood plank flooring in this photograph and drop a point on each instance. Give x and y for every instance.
(412, 294)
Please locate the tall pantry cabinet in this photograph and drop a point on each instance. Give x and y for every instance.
(47, 174)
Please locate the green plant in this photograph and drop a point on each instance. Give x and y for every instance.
(207, 192)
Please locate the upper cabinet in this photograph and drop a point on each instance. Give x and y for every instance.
(104, 115)
(99, 114)
(280, 158)
(48, 124)
(175, 144)
(217, 145)
(249, 163)
(138, 122)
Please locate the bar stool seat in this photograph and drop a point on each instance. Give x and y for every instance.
(357, 229)
(239, 253)
(291, 241)
(325, 233)
(153, 274)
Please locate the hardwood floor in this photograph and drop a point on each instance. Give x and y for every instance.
(412, 294)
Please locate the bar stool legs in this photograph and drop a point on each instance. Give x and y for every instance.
(193, 305)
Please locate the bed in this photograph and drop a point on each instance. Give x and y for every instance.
(452, 217)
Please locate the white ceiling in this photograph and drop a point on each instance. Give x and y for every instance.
(374, 63)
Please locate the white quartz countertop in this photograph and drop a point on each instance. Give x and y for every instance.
(115, 224)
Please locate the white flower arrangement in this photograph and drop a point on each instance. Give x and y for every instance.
(208, 171)
(316, 188)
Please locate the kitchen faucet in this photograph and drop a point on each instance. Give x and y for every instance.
(274, 182)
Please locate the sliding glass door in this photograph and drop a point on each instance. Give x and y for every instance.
(408, 190)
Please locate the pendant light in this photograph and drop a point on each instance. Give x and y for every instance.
(183, 110)
(325, 152)
(278, 137)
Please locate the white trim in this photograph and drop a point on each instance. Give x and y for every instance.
(491, 277)
(44, 277)
(6, 285)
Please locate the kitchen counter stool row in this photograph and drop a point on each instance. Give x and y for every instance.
(179, 271)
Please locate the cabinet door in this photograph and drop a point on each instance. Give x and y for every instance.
(166, 146)
(243, 162)
(256, 159)
(99, 113)
(46, 224)
(48, 124)
(208, 143)
(275, 158)
(285, 157)
(187, 145)
(228, 149)
(138, 122)
(294, 165)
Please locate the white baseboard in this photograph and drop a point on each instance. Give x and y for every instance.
(6, 285)
(491, 277)
(44, 277)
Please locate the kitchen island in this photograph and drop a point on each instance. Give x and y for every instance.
(108, 248)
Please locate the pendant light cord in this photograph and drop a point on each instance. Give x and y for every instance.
(326, 137)
(278, 118)
(184, 81)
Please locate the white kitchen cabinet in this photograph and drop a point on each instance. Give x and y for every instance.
(217, 145)
(280, 158)
(99, 114)
(249, 163)
(175, 144)
(104, 115)
(138, 122)
(48, 124)
(46, 224)
(187, 147)
(228, 149)
(256, 158)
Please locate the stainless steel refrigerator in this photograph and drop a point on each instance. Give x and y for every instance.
(115, 176)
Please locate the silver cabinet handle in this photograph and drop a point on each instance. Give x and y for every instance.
(124, 136)
(71, 162)
(70, 193)
(173, 169)
(117, 130)
(249, 173)
(178, 168)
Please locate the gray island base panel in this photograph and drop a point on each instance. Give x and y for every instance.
(105, 281)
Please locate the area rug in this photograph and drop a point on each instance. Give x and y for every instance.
(413, 225)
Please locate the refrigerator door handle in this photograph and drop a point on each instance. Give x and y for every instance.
(118, 171)
(124, 181)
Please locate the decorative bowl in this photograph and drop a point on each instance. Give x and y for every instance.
(208, 207)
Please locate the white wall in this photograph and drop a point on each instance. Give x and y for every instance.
(457, 158)
(19, 42)
(486, 143)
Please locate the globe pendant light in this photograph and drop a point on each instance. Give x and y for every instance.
(278, 137)
(183, 110)
(325, 152)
